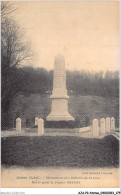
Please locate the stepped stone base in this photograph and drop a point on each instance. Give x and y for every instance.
(59, 110)
(66, 117)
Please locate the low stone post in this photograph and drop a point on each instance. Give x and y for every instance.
(36, 121)
(107, 124)
(18, 124)
(102, 126)
(112, 123)
(95, 128)
(40, 126)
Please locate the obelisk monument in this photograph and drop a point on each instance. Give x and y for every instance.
(59, 108)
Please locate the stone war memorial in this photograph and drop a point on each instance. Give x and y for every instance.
(59, 97)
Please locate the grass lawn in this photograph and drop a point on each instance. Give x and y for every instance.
(50, 151)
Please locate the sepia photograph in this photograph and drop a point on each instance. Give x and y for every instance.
(60, 94)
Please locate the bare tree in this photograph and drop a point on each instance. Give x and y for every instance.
(14, 49)
(7, 8)
(14, 53)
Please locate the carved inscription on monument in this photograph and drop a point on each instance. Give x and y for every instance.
(59, 76)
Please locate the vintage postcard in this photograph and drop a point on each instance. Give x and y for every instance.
(60, 94)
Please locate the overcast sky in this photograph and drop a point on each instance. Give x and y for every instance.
(86, 33)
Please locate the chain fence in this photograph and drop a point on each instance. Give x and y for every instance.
(8, 120)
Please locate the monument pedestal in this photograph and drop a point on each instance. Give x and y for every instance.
(59, 109)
